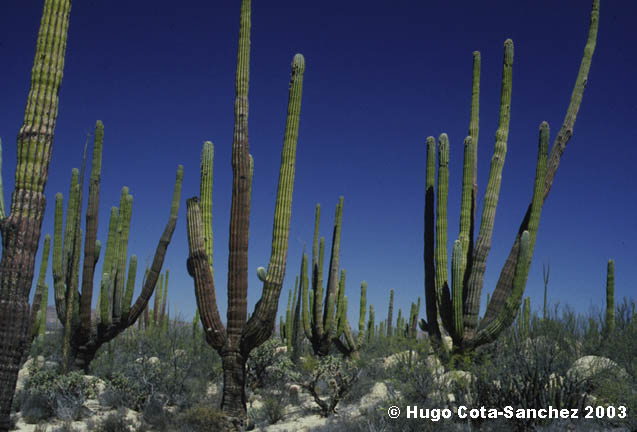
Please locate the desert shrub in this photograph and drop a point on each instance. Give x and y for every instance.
(48, 393)
(327, 379)
(272, 410)
(113, 422)
(36, 407)
(199, 418)
(158, 361)
(267, 366)
(154, 412)
(371, 372)
(67, 426)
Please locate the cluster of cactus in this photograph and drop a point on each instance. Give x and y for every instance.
(159, 316)
(83, 333)
(404, 327)
(453, 305)
(324, 311)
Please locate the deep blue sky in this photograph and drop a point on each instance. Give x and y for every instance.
(380, 78)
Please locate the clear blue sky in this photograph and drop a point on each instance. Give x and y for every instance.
(380, 78)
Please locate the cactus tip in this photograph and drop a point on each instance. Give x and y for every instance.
(298, 61)
(261, 274)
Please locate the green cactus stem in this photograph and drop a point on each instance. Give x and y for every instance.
(546, 270)
(610, 296)
(390, 313)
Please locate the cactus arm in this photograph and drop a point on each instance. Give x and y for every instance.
(261, 323)
(546, 270)
(429, 240)
(205, 193)
(123, 233)
(457, 277)
(307, 328)
(91, 249)
(390, 313)
(130, 287)
(610, 296)
(58, 276)
(317, 278)
(160, 253)
(488, 330)
(483, 244)
(466, 209)
(536, 202)
(111, 241)
(164, 298)
(332, 280)
(199, 269)
(361, 315)
(371, 324)
(159, 290)
(442, 278)
(507, 314)
(338, 326)
(503, 286)
(3, 214)
(474, 129)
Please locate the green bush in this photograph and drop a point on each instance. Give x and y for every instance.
(200, 418)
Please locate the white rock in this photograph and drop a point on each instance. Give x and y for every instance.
(588, 366)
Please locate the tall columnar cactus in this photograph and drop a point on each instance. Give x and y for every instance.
(610, 296)
(21, 228)
(390, 313)
(83, 337)
(349, 345)
(413, 319)
(546, 270)
(455, 303)
(321, 314)
(235, 342)
(371, 325)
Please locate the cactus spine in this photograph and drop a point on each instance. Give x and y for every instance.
(610, 296)
(235, 342)
(82, 339)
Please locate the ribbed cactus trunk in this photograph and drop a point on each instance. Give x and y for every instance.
(21, 229)
(235, 341)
